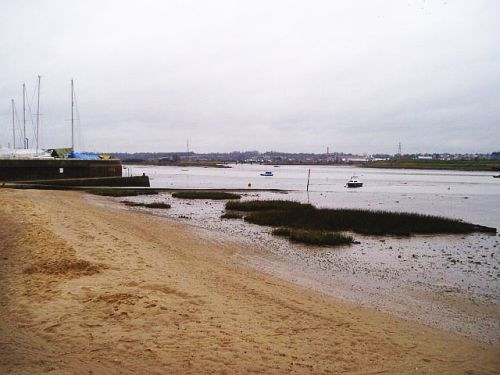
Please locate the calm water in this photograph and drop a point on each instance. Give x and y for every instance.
(471, 196)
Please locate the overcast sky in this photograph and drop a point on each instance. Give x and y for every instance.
(357, 76)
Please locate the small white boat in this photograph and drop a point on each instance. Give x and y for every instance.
(354, 182)
(267, 174)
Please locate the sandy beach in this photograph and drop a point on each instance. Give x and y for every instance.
(87, 287)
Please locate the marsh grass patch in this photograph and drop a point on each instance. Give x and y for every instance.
(266, 205)
(282, 232)
(295, 215)
(159, 205)
(121, 192)
(215, 195)
(314, 237)
(232, 215)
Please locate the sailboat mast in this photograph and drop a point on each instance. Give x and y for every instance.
(24, 115)
(72, 118)
(38, 115)
(13, 124)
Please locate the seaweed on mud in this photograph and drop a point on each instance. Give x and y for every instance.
(147, 205)
(216, 195)
(121, 192)
(232, 215)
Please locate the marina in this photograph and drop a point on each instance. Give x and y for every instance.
(46, 164)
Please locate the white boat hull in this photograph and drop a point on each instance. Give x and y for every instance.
(354, 184)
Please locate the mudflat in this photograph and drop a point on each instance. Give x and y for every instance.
(88, 287)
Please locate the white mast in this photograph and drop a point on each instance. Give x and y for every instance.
(13, 124)
(24, 116)
(38, 116)
(72, 118)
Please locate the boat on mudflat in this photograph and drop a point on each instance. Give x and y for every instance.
(354, 182)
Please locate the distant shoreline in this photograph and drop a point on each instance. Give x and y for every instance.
(187, 163)
(452, 165)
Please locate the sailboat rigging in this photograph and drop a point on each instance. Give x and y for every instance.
(38, 117)
(72, 116)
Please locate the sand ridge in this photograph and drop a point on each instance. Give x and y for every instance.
(88, 288)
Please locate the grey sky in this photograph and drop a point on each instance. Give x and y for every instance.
(268, 75)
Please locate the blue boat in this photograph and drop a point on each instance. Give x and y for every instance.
(267, 174)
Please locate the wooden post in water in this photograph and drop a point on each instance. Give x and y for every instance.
(308, 178)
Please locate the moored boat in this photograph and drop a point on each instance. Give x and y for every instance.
(267, 174)
(354, 182)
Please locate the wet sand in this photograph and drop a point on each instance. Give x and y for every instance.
(88, 287)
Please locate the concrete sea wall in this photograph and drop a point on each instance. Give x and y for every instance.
(50, 169)
(134, 181)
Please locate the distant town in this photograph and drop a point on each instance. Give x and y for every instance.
(283, 158)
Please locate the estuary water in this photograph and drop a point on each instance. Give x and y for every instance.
(471, 196)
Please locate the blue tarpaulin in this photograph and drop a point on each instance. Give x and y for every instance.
(77, 155)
